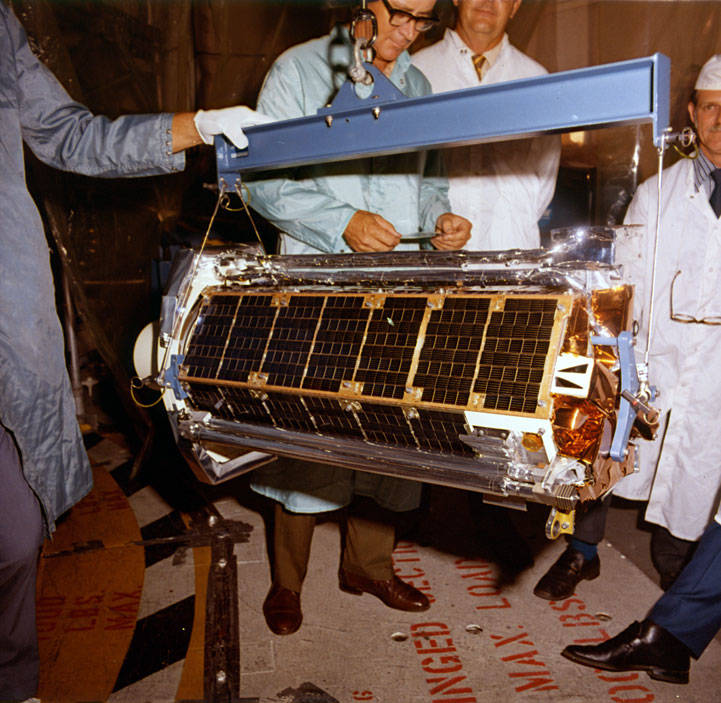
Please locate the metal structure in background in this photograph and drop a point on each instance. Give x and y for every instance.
(627, 92)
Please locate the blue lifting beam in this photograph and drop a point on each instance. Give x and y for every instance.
(387, 122)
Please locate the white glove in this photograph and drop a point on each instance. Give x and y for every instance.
(228, 121)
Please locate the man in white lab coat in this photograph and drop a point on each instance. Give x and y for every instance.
(504, 187)
(680, 472)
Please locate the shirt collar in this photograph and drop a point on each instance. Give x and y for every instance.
(460, 46)
(702, 168)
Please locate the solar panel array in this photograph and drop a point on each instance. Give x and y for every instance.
(396, 369)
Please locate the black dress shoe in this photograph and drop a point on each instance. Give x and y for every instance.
(281, 609)
(393, 592)
(642, 646)
(561, 579)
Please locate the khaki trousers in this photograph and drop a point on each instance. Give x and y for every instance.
(367, 550)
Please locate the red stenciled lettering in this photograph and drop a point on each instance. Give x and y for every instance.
(121, 595)
(566, 604)
(405, 547)
(537, 684)
(416, 579)
(48, 613)
(434, 638)
(414, 573)
(524, 658)
(617, 689)
(603, 636)
(509, 640)
(483, 589)
(504, 603)
(44, 627)
(579, 620)
(119, 623)
(77, 627)
(428, 629)
(536, 680)
(122, 611)
(434, 646)
(615, 678)
(448, 664)
(442, 684)
(96, 599)
(51, 602)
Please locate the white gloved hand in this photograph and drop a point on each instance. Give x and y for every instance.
(228, 121)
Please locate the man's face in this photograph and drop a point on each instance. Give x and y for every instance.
(485, 17)
(392, 41)
(706, 115)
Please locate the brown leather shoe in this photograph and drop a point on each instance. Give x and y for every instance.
(282, 610)
(393, 592)
(560, 581)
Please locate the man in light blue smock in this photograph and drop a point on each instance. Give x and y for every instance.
(44, 470)
(362, 205)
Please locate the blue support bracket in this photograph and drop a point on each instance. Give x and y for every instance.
(386, 122)
(171, 374)
(629, 382)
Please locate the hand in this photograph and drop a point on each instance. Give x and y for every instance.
(367, 231)
(453, 232)
(228, 121)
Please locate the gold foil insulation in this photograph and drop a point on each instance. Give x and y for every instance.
(578, 423)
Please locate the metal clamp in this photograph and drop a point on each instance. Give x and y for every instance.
(633, 396)
(363, 51)
(559, 523)
(171, 374)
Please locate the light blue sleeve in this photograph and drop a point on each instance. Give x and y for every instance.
(434, 192)
(65, 134)
(433, 201)
(298, 206)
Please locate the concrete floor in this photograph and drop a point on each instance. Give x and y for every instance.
(154, 592)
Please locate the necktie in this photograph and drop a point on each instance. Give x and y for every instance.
(478, 63)
(715, 198)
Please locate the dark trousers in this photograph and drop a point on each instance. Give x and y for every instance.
(367, 550)
(590, 524)
(691, 609)
(21, 536)
(669, 554)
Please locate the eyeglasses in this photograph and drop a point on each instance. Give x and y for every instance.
(398, 18)
(683, 317)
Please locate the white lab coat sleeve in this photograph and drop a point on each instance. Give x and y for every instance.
(296, 205)
(546, 154)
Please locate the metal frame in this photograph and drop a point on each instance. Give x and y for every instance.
(627, 92)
